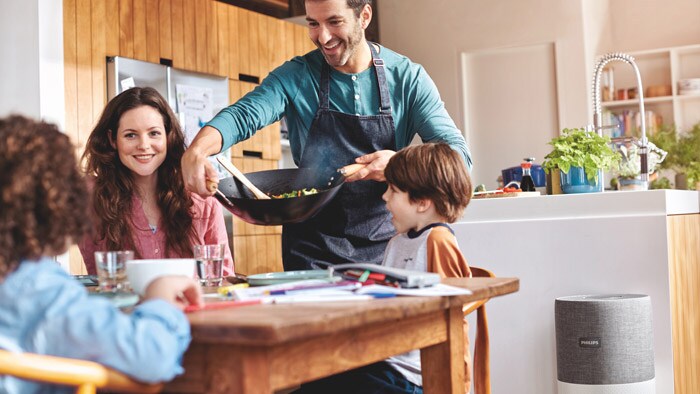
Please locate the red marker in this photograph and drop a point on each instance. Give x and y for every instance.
(222, 305)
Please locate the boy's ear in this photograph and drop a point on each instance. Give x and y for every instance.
(424, 204)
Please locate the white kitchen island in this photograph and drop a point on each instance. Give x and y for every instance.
(600, 243)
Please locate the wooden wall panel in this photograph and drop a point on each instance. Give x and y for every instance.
(212, 30)
(200, 29)
(289, 50)
(153, 23)
(140, 35)
(178, 36)
(223, 36)
(111, 27)
(84, 68)
(244, 43)
(264, 48)
(98, 50)
(684, 261)
(233, 43)
(70, 67)
(126, 28)
(190, 48)
(257, 254)
(165, 29)
(254, 44)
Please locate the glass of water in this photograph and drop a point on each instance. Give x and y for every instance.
(111, 269)
(210, 264)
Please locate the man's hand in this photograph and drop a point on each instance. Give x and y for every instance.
(375, 164)
(197, 171)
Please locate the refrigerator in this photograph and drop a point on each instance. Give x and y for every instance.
(194, 97)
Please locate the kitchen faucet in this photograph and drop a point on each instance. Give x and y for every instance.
(643, 144)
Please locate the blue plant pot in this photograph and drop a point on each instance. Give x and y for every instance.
(576, 181)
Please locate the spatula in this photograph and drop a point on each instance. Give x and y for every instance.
(239, 175)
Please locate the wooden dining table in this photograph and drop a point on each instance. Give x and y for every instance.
(268, 347)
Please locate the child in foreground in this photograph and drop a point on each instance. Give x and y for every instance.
(44, 310)
(428, 188)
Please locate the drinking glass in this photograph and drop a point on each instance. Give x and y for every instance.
(210, 264)
(111, 269)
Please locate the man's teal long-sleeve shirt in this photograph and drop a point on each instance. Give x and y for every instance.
(291, 90)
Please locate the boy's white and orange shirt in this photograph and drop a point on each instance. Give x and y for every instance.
(433, 248)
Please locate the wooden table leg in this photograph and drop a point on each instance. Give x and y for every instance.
(443, 364)
(238, 370)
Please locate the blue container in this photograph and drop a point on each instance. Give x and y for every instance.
(576, 181)
(516, 174)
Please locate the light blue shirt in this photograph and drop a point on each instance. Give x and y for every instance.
(291, 90)
(44, 310)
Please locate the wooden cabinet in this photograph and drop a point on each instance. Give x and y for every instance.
(659, 68)
(197, 35)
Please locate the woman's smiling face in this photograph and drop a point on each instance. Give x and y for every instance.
(141, 141)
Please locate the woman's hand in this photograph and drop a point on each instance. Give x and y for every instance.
(374, 169)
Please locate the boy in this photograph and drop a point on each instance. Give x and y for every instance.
(428, 187)
(44, 310)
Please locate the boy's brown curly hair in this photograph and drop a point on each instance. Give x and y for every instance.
(42, 206)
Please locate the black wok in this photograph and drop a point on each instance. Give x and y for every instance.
(242, 203)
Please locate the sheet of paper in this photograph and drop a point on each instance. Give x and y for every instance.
(431, 291)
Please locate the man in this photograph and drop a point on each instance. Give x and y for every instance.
(345, 102)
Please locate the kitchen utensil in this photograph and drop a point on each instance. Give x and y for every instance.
(238, 174)
(240, 201)
(346, 171)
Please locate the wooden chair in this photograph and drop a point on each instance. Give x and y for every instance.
(86, 376)
(482, 357)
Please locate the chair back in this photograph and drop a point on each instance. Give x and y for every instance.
(482, 356)
(86, 376)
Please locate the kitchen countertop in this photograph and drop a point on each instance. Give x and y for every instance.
(588, 205)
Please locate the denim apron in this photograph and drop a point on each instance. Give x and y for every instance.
(355, 226)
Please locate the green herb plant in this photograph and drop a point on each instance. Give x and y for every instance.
(579, 148)
(683, 151)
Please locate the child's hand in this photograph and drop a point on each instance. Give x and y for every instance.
(177, 290)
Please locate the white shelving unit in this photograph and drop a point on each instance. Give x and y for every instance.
(658, 67)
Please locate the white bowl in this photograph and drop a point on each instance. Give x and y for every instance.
(142, 272)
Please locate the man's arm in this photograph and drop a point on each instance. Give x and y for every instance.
(196, 169)
(428, 116)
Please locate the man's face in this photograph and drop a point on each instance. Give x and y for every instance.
(335, 30)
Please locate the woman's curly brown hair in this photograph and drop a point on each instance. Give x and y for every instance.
(43, 193)
(114, 184)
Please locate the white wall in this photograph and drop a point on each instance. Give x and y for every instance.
(435, 33)
(31, 63)
(31, 54)
(19, 57)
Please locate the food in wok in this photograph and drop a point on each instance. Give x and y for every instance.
(295, 193)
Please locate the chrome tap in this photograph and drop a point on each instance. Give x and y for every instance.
(643, 144)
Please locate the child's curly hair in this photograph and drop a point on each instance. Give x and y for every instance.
(43, 200)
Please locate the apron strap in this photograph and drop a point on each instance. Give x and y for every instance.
(324, 89)
(381, 80)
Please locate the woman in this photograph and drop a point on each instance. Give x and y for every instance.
(139, 201)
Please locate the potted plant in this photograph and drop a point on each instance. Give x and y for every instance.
(580, 156)
(683, 154)
(629, 167)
